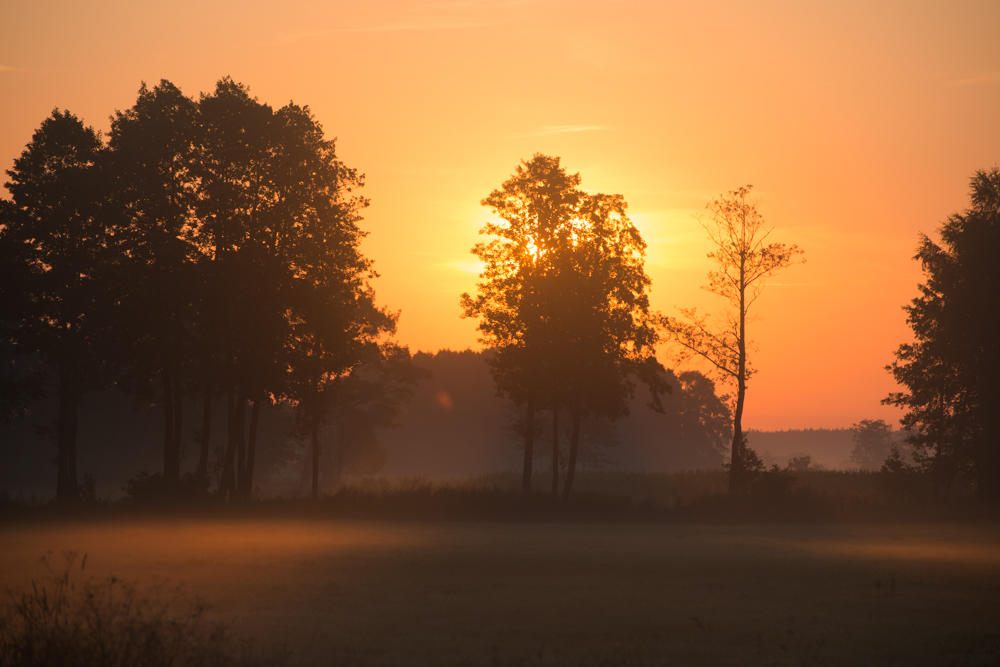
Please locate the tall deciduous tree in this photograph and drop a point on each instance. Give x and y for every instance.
(154, 193)
(950, 371)
(233, 151)
(609, 334)
(563, 303)
(744, 260)
(52, 237)
(536, 206)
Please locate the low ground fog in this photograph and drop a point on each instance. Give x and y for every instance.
(543, 594)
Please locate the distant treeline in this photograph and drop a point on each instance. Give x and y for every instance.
(828, 447)
(453, 426)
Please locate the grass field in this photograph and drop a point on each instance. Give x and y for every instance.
(341, 592)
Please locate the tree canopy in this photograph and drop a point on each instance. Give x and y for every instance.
(211, 247)
(563, 301)
(950, 371)
(53, 247)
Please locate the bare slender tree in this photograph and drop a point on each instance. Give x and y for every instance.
(744, 261)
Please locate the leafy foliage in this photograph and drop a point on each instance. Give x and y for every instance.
(211, 247)
(562, 302)
(53, 245)
(950, 370)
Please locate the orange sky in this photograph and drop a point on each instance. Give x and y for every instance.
(859, 127)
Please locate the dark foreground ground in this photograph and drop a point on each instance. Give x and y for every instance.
(340, 592)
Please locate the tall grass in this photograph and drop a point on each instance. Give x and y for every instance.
(66, 619)
(695, 496)
(598, 496)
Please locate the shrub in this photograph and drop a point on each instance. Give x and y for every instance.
(153, 490)
(66, 620)
(898, 479)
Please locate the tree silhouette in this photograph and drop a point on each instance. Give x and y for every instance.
(705, 419)
(279, 226)
(609, 334)
(873, 439)
(368, 397)
(232, 153)
(336, 336)
(154, 193)
(745, 260)
(536, 205)
(53, 243)
(950, 370)
(212, 248)
(562, 302)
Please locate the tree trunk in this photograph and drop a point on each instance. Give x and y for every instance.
(171, 464)
(74, 421)
(988, 474)
(555, 451)
(574, 440)
(66, 481)
(315, 460)
(174, 407)
(737, 467)
(206, 428)
(529, 446)
(227, 484)
(251, 449)
(737, 470)
(178, 420)
(240, 437)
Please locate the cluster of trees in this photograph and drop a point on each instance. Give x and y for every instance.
(563, 304)
(950, 371)
(207, 248)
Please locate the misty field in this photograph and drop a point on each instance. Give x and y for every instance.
(340, 592)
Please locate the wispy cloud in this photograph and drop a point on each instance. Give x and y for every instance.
(4, 68)
(283, 40)
(562, 129)
(457, 15)
(473, 266)
(992, 77)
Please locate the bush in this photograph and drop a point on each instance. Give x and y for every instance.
(67, 621)
(898, 479)
(152, 490)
